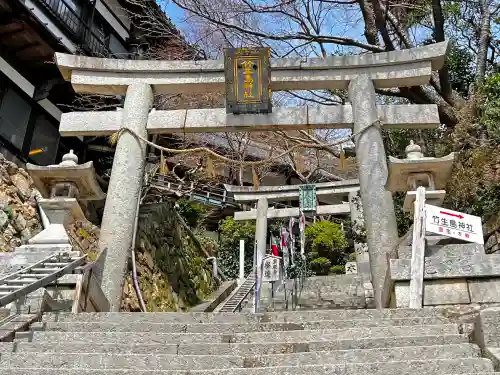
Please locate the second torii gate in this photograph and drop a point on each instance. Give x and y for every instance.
(139, 79)
(264, 194)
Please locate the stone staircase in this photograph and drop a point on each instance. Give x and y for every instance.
(371, 342)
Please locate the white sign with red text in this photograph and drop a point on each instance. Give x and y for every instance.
(453, 224)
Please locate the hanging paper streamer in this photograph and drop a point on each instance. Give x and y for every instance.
(342, 159)
(255, 178)
(210, 167)
(113, 139)
(163, 164)
(274, 247)
(302, 227)
(292, 239)
(285, 237)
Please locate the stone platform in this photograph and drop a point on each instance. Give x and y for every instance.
(454, 273)
(323, 293)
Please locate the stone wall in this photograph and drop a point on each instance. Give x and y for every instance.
(454, 274)
(84, 236)
(19, 218)
(173, 273)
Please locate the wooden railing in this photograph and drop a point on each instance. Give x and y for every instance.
(76, 26)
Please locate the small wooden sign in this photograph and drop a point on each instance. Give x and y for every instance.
(271, 269)
(248, 76)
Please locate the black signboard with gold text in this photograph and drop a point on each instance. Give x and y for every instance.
(248, 75)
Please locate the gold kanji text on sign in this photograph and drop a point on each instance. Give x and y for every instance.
(247, 76)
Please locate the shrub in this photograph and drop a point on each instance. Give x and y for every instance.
(321, 265)
(326, 239)
(337, 270)
(231, 232)
(191, 212)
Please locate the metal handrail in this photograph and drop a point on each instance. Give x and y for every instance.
(242, 298)
(239, 306)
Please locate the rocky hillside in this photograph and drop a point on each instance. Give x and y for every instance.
(19, 217)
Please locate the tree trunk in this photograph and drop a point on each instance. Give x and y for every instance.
(371, 31)
(484, 41)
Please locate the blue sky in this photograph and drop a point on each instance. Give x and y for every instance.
(177, 16)
(173, 11)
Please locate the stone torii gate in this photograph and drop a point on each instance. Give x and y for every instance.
(287, 192)
(140, 79)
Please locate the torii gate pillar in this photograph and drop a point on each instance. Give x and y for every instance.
(378, 207)
(120, 211)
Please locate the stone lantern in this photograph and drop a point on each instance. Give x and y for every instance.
(406, 175)
(61, 186)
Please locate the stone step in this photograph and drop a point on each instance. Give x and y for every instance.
(201, 362)
(321, 300)
(365, 355)
(230, 327)
(232, 349)
(333, 283)
(423, 367)
(116, 361)
(254, 337)
(284, 316)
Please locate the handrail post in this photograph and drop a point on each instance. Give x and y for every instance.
(242, 261)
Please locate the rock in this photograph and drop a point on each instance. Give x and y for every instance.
(22, 183)
(491, 243)
(26, 175)
(11, 167)
(4, 219)
(15, 242)
(26, 234)
(33, 229)
(29, 212)
(33, 223)
(19, 222)
(9, 233)
(492, 225)
(147, 259)
(4, 246)
(4, 200)
(4, 176)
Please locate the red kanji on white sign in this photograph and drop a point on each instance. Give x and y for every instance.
(453, 224)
